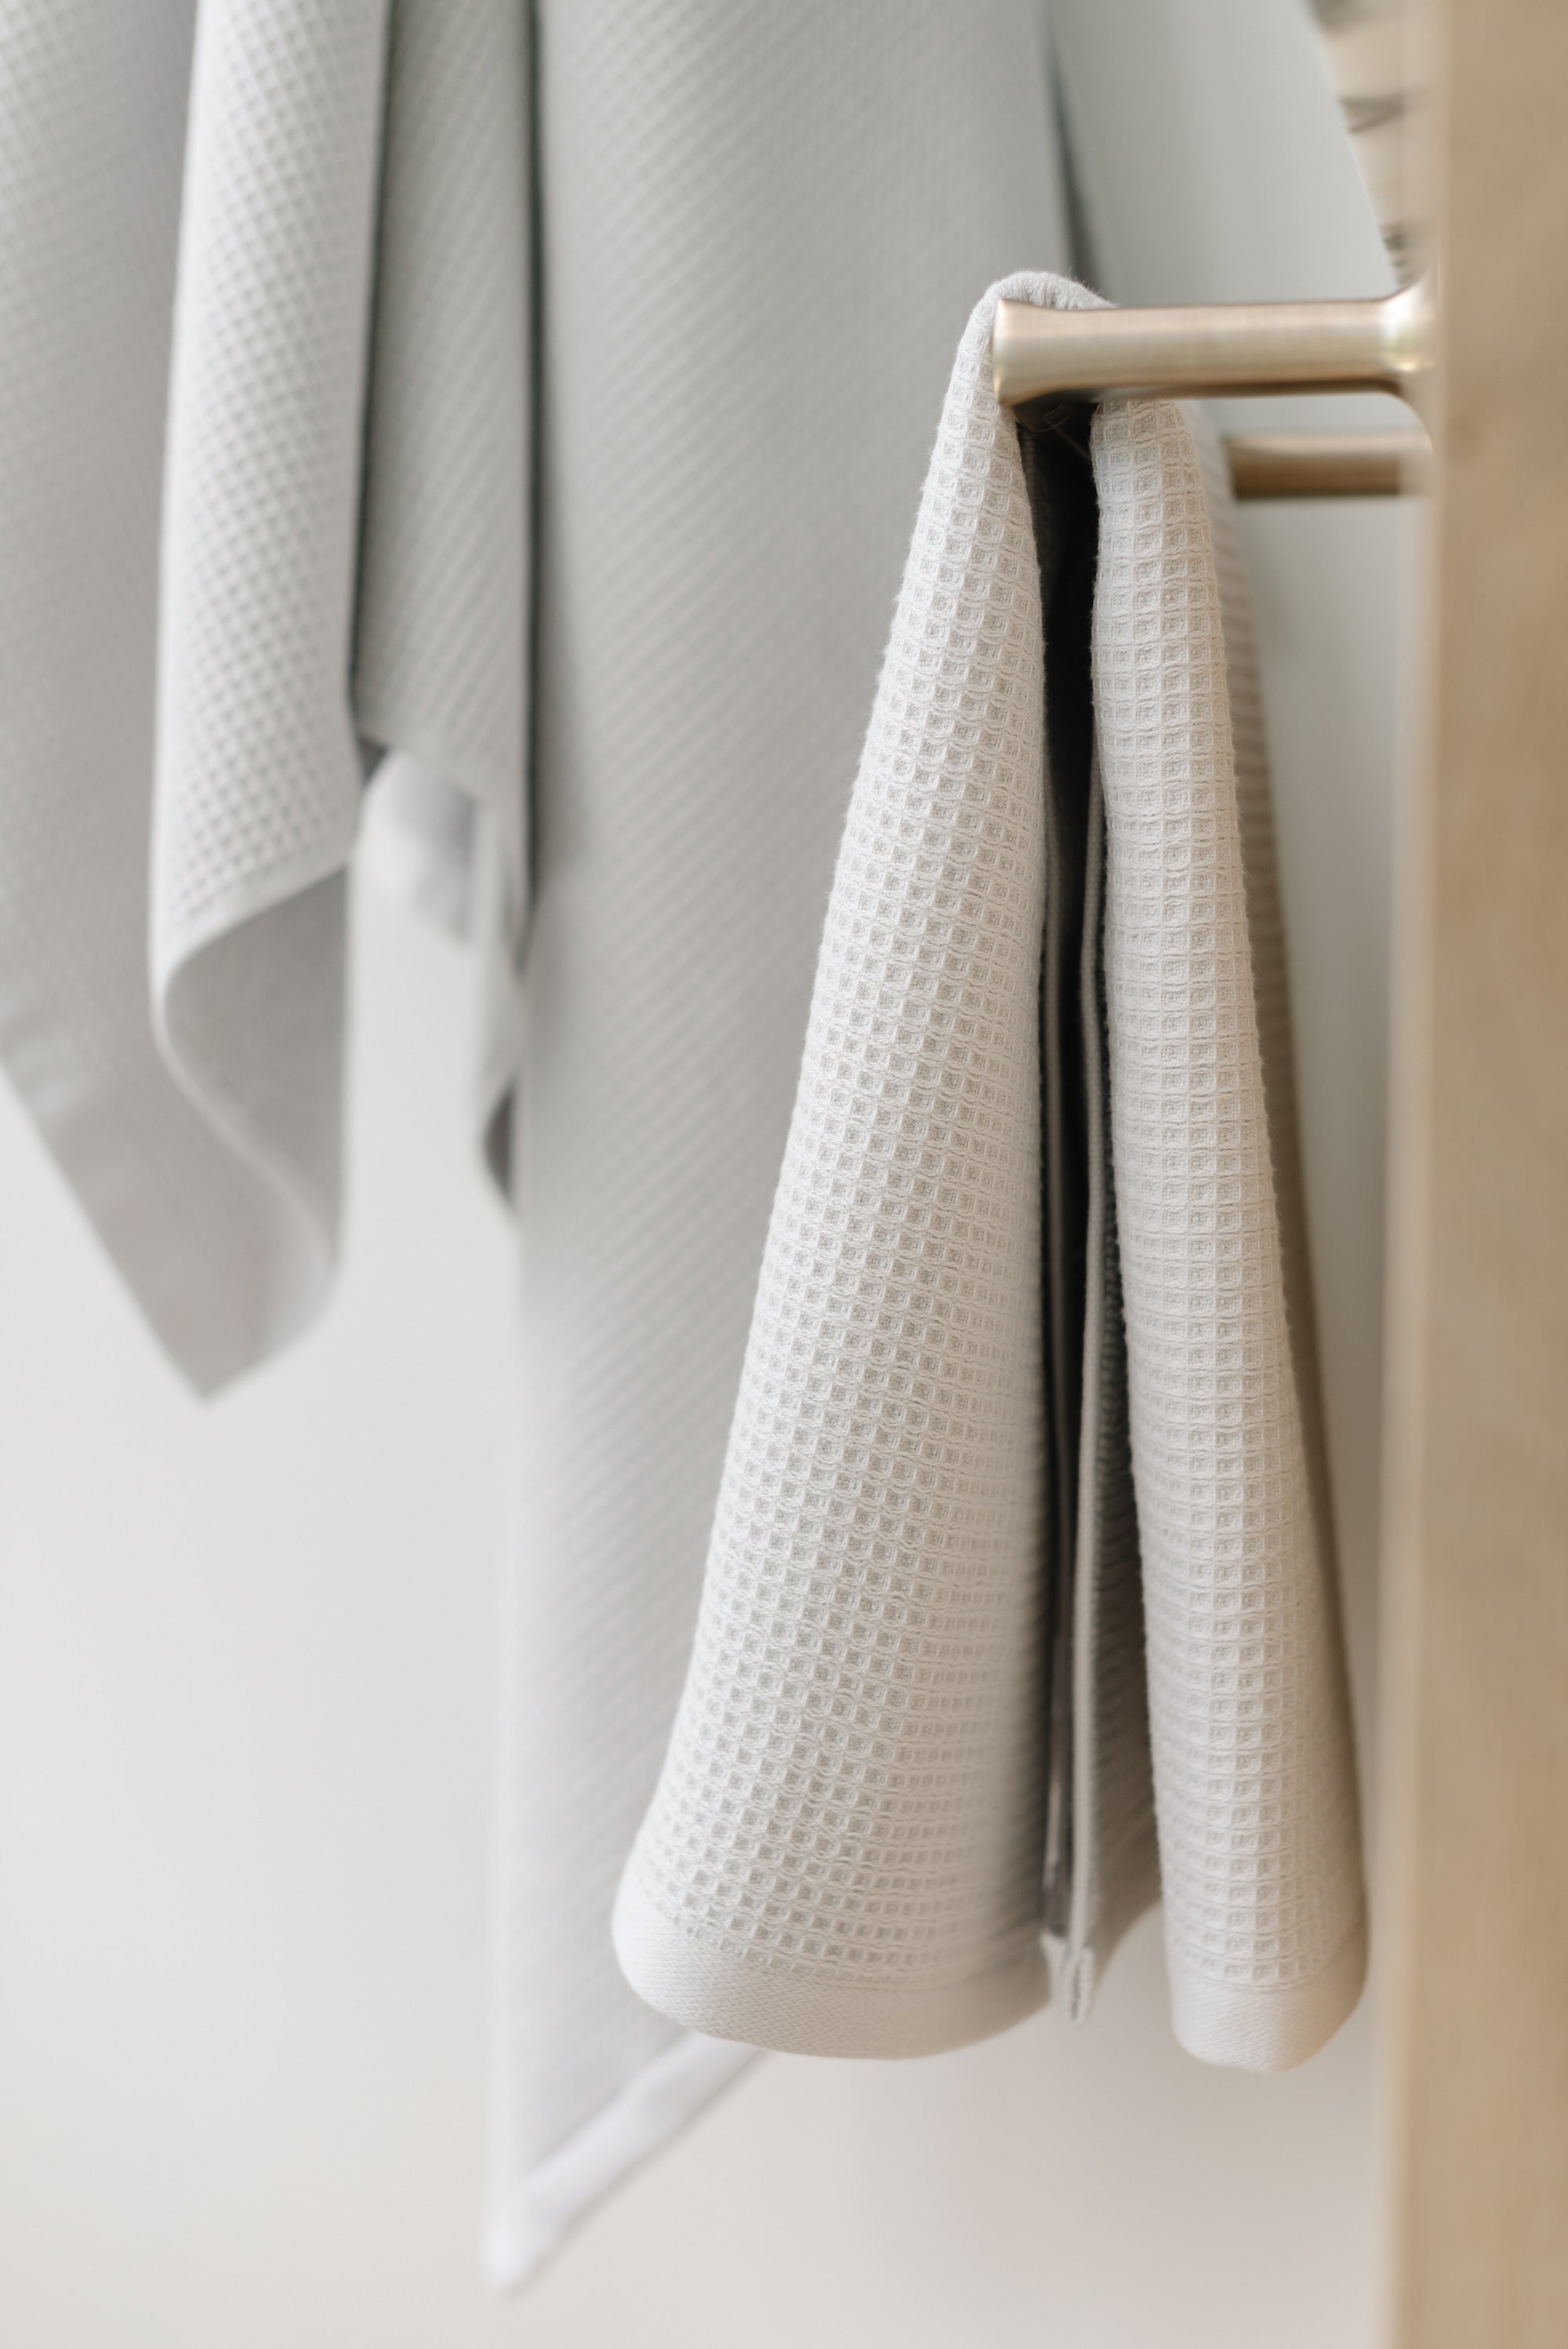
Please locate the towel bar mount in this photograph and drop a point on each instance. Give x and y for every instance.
(1215, 349)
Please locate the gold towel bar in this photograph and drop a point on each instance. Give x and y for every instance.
(1326, 464)
(1212, 349)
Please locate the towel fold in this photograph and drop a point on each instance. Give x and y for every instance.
(912, 1732)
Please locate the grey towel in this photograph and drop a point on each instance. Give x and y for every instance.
(844, 1854)
(1102, 1862)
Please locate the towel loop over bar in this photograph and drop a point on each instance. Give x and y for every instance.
(1212, 349)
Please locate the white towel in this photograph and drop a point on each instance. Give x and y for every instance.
(302, 539)
(845, 1852)
(725, 486)
(760, 229)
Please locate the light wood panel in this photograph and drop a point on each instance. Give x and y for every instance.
(1476, 1842)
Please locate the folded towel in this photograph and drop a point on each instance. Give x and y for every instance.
(1100, 1867)
(846, 1850)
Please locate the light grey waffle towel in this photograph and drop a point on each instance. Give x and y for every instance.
(291, 425)
(845, 1854)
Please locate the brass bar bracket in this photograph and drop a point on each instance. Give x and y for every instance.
(1212, 349)
(1326, 464)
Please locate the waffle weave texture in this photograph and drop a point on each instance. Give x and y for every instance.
(1254, 1776)
(208, 488)
(785, 213)
(274, 263)
(845, 1852)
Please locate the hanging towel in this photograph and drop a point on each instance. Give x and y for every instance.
(1100, 1856)
(847, 1853)
(338, 567)
(590, 559)
(726, 487)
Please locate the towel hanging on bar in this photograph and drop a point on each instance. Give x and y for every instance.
(845, 1852)
(1216, 347)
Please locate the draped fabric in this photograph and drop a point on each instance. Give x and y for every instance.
(851, 1849)
(521, 406)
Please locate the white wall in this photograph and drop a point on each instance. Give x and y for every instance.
(244, 1727)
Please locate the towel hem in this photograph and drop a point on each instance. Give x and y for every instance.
(1266, 2028)
(530, 2222)
(735, 1998)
